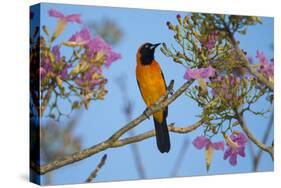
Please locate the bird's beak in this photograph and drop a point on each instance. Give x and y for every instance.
(155, 45)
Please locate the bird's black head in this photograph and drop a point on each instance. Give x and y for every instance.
(147, 53)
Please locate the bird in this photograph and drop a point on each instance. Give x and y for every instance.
(152, 86)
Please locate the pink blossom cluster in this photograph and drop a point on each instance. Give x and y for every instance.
(93, 46)
(265, 66)
(235, 143)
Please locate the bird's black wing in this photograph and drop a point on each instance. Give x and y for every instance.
(140, 89)
(166, 109)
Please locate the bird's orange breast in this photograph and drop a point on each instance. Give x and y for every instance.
(151, 82)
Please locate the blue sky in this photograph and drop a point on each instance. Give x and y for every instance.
(105, 117)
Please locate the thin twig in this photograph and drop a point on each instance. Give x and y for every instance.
(245, 128)
(110, 142)
(128, 109)
(180, 158)
(257, 157)
(137, 157)
(252, 153)
(94, 174)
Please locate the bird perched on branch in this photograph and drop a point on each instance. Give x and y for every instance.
(152, 86)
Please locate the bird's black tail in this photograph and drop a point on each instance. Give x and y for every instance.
(162, 136)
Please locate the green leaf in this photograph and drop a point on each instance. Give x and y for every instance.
(243, 32)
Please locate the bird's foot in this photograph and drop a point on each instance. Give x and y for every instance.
(170, 87)
(145, 113)
(171, 91)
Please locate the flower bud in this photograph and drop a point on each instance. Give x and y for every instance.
(179, 18)
(170, 26)
(45, 29)
(59, 29)
(59, 81)
(186, 20)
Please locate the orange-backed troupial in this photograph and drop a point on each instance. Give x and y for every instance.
(152, 85)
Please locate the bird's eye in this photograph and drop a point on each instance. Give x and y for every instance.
(146, 46)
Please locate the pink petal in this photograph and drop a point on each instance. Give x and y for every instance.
(83, 36)
(261, 57)
(227, 153)
(241, 151)
(241, 139)
(207, 72)
(200, 142)
(86, 33)
(186, 75)
(74, 18)
(233, 159)
(97, 44)
(218, 145)
(42, 73)
(196, 73)
(111, 57)
(56, 52)
(192, 74)
(55, 13)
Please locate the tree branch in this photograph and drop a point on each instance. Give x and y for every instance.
(245, 128)
(247, 64)
(161, 103)
(151, 133)
(94, 174)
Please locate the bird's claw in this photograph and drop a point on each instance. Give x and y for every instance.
(171, 91)
(170, 87)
